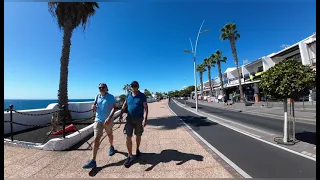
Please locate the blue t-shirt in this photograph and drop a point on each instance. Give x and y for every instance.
(104, 107)
(135, 104)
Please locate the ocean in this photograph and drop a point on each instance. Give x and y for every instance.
(35, 104)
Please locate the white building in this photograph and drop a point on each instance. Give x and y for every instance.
(304, 51)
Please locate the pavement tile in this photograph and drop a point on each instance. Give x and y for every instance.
(168, 151)
(212, 172)
(166, 174)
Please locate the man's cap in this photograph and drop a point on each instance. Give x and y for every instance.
(103, 85)
(134, 83)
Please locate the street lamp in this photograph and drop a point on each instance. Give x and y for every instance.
(194, 52)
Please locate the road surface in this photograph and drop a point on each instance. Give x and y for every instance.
(256, 158)
(304, 132)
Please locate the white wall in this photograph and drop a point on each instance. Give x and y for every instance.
(39, 120)
(312, 51)
(267, 63)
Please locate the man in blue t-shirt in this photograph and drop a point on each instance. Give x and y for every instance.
(136, 104)
(104, 106)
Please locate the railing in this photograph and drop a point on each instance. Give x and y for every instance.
(63, 110)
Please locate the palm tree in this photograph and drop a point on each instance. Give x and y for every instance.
(69, 16)
(126, 88)
(201, 69)
(209, 62)
(219, 59)
(229, 31)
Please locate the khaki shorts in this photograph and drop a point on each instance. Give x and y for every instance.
(99, 126)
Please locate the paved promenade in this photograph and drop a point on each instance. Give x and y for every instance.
(168, 150)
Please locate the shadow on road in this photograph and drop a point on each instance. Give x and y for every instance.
(154, 159)
(173, 122)
(308, 137)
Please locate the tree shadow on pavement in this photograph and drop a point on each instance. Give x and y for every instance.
(173, 122)
(154, 159)
(308, 137)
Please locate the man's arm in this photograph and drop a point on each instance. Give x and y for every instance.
(145, 105)
(123, 108)
(112, 111)
(113, 106)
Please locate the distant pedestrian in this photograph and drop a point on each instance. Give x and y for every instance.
(137, 115)
(234, 97)
(225, 99)
(104, 106)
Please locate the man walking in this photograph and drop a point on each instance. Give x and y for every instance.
(136, 104)
(104, 106)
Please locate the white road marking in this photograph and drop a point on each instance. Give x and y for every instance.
(275, 145)
(228, 161)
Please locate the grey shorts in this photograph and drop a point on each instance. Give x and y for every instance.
(133, 124)
(99, 126)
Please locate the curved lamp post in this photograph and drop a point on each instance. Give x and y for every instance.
(194, 52)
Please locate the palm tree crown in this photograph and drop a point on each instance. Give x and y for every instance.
(229, 31)
(201, 68)
(71, 14)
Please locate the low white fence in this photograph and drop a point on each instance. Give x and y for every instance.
(35, 117)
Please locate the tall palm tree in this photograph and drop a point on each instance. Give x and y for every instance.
(69, 16)
(219, 59)
(230, 32)
(201, 69)
(209, 62)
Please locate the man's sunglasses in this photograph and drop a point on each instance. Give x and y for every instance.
(101, 87)
(134, 86)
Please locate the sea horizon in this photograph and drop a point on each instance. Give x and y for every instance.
(25, 104)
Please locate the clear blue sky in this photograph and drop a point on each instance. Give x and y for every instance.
(141, 41)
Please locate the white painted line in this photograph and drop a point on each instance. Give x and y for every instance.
(221, 123)
(275, 145)
(228, 161)
(245, 126)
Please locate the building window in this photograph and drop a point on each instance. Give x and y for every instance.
(260, 69)
(296, 57)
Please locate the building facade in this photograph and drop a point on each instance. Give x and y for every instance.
(250, 73)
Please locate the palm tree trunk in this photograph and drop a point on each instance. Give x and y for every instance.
(201, 82)
(234, 53)
(220, 76)
(64, 65)
(209, 76)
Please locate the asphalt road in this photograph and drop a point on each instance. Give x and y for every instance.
(304, 132)
(256, 158)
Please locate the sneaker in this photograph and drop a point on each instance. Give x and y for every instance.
(128, 161)
(138, 153)
(90, 164)
(112, 151)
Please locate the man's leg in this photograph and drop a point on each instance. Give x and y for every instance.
(109, 132)
(98, 132)
(129, 133)
(138, 130)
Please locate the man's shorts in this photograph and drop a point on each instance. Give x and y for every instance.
(99, 126)
(133, 123)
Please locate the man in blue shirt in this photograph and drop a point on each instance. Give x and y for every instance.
(104, 106)
(136, 104)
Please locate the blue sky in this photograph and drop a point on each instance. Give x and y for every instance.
(141, 41)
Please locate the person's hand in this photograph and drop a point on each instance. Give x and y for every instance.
(107, 121)
(94, 107)
(144, 122)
